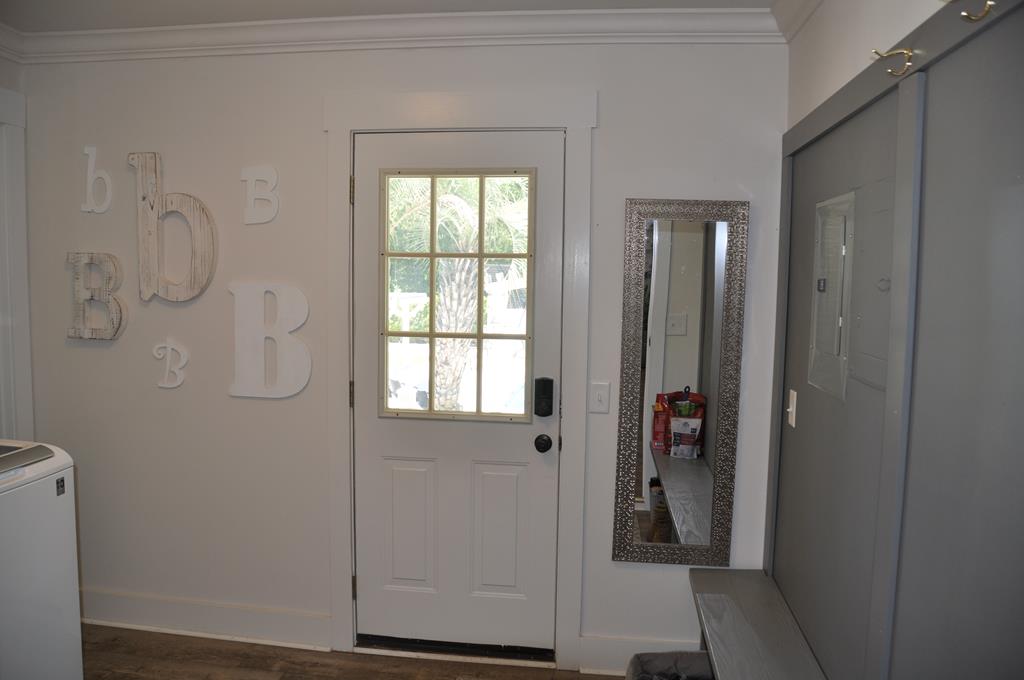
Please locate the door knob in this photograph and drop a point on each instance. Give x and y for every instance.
(542, 443)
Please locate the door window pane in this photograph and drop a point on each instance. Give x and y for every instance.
(455, 294)
(455, 374)
(458, 214)
(456, 323)
(503, 379)
(408, 304)
(506, 214)
(408, 206)
(505, 293)
(408, 383)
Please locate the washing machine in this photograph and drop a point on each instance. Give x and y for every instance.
(40, 619)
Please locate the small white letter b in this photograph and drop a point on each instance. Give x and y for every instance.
(91, 175)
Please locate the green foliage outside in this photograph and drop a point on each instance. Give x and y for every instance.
(457, 205)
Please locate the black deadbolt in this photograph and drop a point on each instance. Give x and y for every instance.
(542, 443)
(543, 397)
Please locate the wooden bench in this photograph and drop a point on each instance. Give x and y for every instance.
(749, 630)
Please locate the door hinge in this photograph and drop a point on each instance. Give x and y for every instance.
(352, 189)
(559, 442)
(351, 393)
(353, 586)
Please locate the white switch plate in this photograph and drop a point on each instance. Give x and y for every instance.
(675, 324)
(791, 409)
(600, 395)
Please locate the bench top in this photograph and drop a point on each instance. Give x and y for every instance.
(749, 630)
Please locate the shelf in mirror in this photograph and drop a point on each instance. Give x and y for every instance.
(688, 487)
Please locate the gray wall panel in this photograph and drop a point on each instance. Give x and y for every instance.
(960, 597)
(828, 466)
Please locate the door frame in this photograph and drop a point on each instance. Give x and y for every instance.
(348, 113)
(657, 318)
(16, 414)
(934, 39)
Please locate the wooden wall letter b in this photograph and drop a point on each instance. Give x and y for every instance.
(85, 292)
(291, 354)
(153, 205)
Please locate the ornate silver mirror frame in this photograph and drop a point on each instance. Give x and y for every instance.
(638, 212)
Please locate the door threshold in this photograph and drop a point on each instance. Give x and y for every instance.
(381, 645)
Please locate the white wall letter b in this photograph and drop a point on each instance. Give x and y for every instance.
(91, 175)
(261, 199)
(292, 356)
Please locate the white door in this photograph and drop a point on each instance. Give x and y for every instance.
(456, 309)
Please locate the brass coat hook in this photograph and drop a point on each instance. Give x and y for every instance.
(908, 56)
(967, 16)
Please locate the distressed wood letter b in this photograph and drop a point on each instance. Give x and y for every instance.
(86, 291)
(153, 205)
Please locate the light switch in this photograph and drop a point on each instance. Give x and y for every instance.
(600, 395)
(675, 324)
(791, 409)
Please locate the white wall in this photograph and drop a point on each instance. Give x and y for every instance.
(202, 511)
(836, 42)
(726, 149)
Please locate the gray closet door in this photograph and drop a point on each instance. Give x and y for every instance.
(828, 465)
(960, 597)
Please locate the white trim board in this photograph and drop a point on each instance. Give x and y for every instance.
(454, 29)
(207, 618)
(16, 415)
(12, 108)
(11, 42)
(348, 112)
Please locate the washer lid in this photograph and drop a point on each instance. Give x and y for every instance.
(24, 462)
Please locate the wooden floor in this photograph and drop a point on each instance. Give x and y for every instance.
(120, 654)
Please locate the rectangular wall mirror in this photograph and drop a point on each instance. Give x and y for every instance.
(682, 333)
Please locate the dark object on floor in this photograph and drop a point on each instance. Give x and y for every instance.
(669, 666)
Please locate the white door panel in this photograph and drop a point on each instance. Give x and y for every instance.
(456, 515)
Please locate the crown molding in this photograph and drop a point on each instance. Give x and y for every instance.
(793, 14)
(461, 29)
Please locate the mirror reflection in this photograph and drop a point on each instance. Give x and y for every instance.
(682, 321)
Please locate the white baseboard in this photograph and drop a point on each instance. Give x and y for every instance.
(600, 655)
(207, 618)
(209, 636)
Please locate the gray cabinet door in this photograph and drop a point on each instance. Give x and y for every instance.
(960, 596)
(828, 465)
